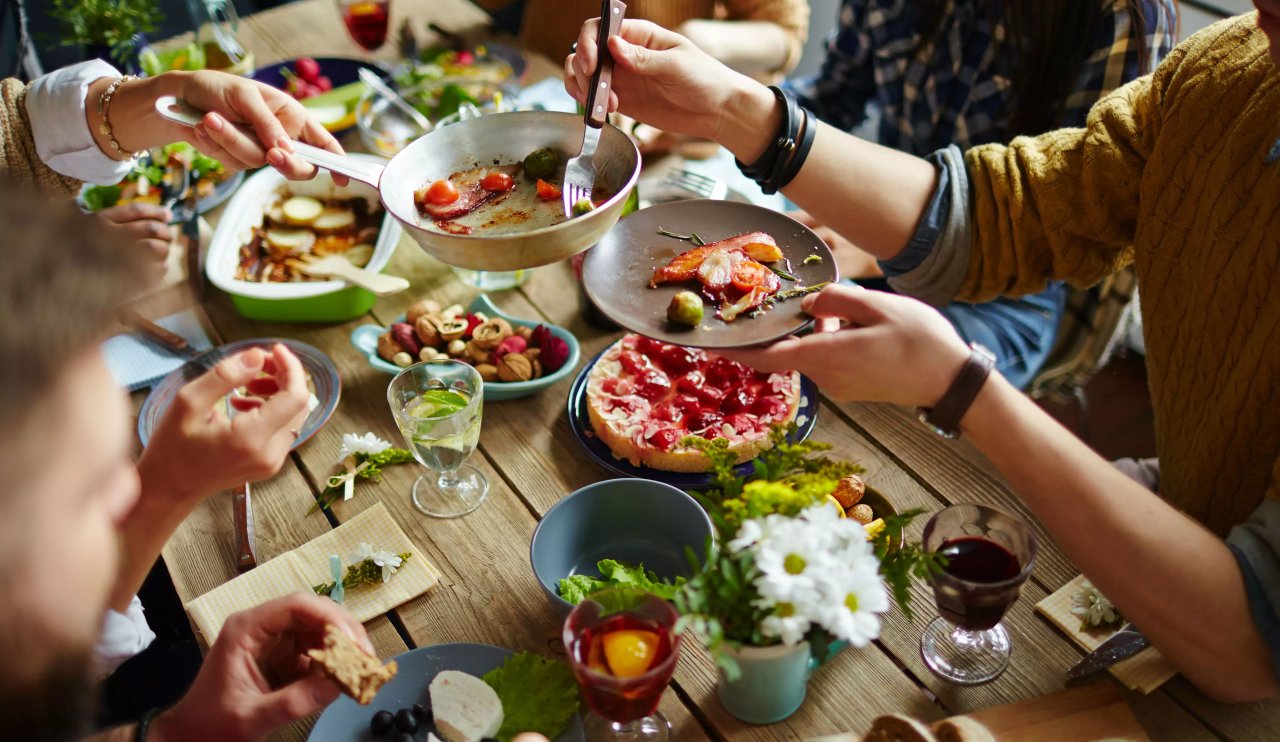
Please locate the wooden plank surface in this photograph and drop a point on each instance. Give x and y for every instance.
(487, 591)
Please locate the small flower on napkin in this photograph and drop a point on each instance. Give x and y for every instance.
(1093, 609)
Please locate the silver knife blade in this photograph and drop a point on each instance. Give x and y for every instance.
(1121, 645)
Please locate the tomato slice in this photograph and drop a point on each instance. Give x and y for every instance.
(546, 191)
(497, 182)
(749, 274)
(442, 192)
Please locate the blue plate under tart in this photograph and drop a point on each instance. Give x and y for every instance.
(325, 382)
(580, 424)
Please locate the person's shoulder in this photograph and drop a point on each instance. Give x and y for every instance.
(1231, 37)
(1233, 50)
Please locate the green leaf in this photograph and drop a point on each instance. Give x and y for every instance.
(452, 96)
(97, 198)
(537, 694)
(613, 573)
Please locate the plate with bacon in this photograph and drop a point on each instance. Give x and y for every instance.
(708, 274)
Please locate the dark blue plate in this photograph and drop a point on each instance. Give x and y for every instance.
(580, 424)
(347, 721)
(340, 71)
(325, 382)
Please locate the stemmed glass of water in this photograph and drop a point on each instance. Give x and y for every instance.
(437, 406)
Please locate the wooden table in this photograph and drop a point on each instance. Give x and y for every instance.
(488, 592)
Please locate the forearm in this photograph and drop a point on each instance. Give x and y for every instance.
(871, 195)
(132, 114)
(160, 510)
(750, 47)
(1166, 573)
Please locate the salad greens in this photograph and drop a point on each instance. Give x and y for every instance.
(537, 695)
(199, 161)
(97, 198)
(576, 588)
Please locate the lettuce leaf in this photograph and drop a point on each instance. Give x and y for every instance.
(97, 198)
(537, 694)
(576, 588)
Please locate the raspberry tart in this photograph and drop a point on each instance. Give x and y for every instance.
(644, 396)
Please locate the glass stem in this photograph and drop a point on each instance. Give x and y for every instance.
(448, 480)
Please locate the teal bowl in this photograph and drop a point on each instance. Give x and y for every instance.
(365, 339)
(636, 521)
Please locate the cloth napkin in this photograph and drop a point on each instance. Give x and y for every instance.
(308, 565)
(1143, 672)
(137, 363)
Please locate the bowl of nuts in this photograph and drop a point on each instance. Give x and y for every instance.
(515, 357)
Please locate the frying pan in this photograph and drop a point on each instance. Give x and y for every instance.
(498, 139)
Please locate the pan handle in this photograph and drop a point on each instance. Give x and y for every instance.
(181, 112)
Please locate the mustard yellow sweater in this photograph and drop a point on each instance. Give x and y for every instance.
(1169, 175)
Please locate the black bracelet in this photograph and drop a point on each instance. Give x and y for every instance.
(763, 166)
(140, 731)
(794, 163)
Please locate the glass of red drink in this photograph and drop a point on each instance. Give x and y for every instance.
(366, 21)
(989, 555)
(623, 650)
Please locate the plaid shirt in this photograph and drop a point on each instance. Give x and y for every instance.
(962, 94)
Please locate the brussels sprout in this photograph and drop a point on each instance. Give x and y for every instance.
(582, 206)
(685, 309)
(542, 163)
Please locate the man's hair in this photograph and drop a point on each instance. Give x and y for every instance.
(63, 275)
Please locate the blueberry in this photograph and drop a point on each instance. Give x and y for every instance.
(381, 723)
(405, 721)
(421, 713)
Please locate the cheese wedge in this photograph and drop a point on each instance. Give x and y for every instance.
(466, 709)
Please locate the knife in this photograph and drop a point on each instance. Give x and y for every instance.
(242, 515)
(1123, 644)
(191, 240)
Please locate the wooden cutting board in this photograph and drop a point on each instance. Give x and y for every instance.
(1086, 714)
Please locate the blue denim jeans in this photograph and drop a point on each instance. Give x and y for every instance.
(1020, 331)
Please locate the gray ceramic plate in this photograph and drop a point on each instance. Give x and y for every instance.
(616, 271)
(347, 721)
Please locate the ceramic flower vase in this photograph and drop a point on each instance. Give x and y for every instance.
(772, 680)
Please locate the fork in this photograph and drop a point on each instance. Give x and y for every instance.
(580, 172)
(700, 185)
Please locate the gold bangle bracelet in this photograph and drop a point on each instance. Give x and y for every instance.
(104, 108)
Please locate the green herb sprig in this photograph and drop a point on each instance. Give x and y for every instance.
(109, 23)
(368, 466)
(691, 237)
(366, 572)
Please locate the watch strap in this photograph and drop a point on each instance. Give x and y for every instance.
(944, 418)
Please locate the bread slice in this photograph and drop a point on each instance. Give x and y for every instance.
(358, 673)
(466, 709)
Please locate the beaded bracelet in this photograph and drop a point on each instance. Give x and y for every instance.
(104, 108)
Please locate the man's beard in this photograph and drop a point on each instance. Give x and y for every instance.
(55, 708)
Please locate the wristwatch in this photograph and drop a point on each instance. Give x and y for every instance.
(944, 417)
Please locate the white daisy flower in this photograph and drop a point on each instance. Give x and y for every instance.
(854, 598)
(389, 561)
(368, 443)
(786, 624)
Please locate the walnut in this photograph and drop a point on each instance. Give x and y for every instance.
(487, 371)
(452, 329)
(861, 513)
(428, 353)
(388, 347)
(515, 367)
(534, 363)
(427, 328)
(402, 359)
(525, 332)
(426, 306)
(457, 347)
(475, 353)
(849, 491)
(454, 311)
(489, 333)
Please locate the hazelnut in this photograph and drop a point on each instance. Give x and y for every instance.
(515, 367)
(861, 513)
(525, 332)
(487, 371)
(534, 363)
(452, 329)
(849, 491)
(428, 353)
(476, 354)
(456, 347)
(388, 347)
(453, 312)
(489, 333)
(426, 306)
(427, 328)
(532, 353)
(402, 359)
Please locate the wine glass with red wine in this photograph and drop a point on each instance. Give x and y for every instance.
(366, 21)
(989, 555)
(623, 648)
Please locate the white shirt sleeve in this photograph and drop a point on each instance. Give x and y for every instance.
(123, 636)
(56, 109)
